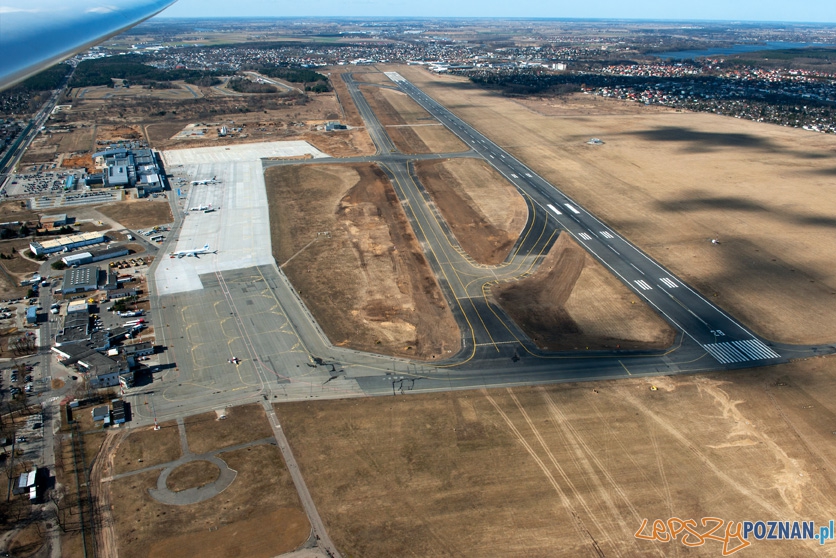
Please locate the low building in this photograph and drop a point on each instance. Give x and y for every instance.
(92, 256)
(66, 243)
(77, 306)
(32, 315)
(121, 293)
(76, 329)
(119, 411)
(53, 221)
(100, 413)
(138, 349)
(103, 371)
(81, 279)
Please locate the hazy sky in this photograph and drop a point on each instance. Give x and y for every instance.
(749, 10)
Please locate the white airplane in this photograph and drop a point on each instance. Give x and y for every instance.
(201, 207)
(213, 180)
(38, 34)
(193, 253)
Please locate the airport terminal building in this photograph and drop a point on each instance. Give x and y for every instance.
(130, 168)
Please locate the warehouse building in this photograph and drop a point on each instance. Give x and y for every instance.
(84, 258)
(129, 168)
(81, 279)
(66, 243)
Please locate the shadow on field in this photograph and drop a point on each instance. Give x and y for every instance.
(697, 200)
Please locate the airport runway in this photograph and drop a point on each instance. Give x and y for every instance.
(237, 304)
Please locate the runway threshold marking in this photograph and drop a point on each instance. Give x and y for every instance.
(643, 285)
(554, 209)
(668, 283)
(730, 352)
(584, 236)
(605, 234)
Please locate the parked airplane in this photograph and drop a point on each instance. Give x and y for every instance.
(201, 207)
(36, 35)
(214, 180)
(195, 252)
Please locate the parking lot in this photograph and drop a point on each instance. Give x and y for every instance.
(40, 183)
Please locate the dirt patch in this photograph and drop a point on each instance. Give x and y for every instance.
(411, 128)
(207, 432)
(345, 243)
(572, 302)
(193, 474)
(523, 471)
(117, 132)
(672, 181)
(484, 211)
(138, 214)
(13, 211)
(257, 515)
(146, 447)
(84, 161)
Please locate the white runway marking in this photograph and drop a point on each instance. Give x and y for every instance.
(643, 285)
(572, 208)
(605, 234)
(528, 175)
(740, 351)
(668, 283)
(553, 208)
(584, 236)
(514, 175)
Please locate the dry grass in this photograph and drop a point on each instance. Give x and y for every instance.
(572, 302)
(259, 515)
(350, 114)
(672, 181)
(246, 423)
(484, 211)
(411, 128)
(138, 214)
(366, 281)
(146, 447)
(193, 474)
(525, 471)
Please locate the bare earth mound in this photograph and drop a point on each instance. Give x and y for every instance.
(484, 211)
(410, 127)
(345, 243)
(573, 302)
(571, 469)
(138, 214)
(671, 181)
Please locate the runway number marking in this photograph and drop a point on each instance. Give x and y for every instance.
(605, 234)
(553, 208)
(572, 208)
(584, 236)
(643, 285)
(668, 283)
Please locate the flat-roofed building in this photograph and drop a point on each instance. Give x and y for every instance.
(81, 279)
(67, 243)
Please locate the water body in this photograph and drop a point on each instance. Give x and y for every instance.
(738, 49)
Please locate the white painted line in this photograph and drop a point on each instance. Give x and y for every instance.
(755, 349)
(553, 208)
(668, 283)
(514, 175)
(643, 285)
(572, 208)
(584, 236)
(613, 249)
(528, 175)
(637, 269)
(605, 234)
(492, 157)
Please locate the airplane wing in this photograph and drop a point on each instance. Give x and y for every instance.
(36, 34)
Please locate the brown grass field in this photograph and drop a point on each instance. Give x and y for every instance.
(193, 474)
(348, 110)
(483, 210)
(152, 447)
(573, 303)
(411, 128)
(259, 515)
(672, 181)
(206, 432)
(574, 467)
(366, 281)
(138, 214)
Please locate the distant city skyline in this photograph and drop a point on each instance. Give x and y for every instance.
(740, 10)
